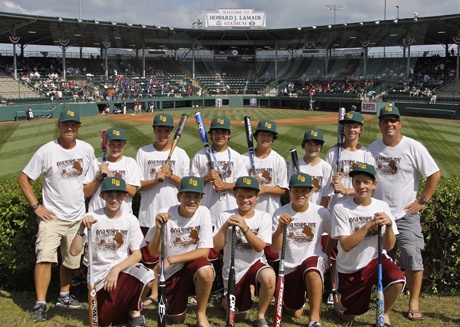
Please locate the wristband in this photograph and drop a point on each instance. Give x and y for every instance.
(81, 234)
(169, 261)
(246, 231)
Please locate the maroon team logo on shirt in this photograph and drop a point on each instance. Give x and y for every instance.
(69, 169)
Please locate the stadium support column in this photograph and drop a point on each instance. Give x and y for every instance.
(143, 61)
(63, 43)
(276, 59)
(15, 40)
(458, 59)
(326, 62)
(193, 59)
(106, 45)
(365, 45)
(407, 41)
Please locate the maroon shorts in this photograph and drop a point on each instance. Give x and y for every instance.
(147, 258)
(295, 288)
(271, 255)
(355, 290)
(324, 239)
(113, 307)
(177, 286)
(243, 294)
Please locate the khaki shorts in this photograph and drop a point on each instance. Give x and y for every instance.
(53, 235)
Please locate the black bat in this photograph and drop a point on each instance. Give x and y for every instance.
(103, 149)
(162, 282)
(342, 113)
(295, 160)
(92, 294)
(380, 299)
(177, 136)
(231, 292)
(204, 139)
(278, 319)
(250, 141)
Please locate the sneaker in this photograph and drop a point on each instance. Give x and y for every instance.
(330, 299)
(69, 302)
(315, 324)
(38, 313)
(137, 322)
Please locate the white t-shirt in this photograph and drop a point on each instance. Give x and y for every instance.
(126, 168)
(321, 175)
(183, 235)
(303, 238)
(399, 170)
(272, 171)
(347, 217)
(348, 159)
(112, 239)
(164, 194)
(63, 171)
(230, 163)
(245, 256)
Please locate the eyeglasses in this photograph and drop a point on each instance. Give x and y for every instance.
(392, 120)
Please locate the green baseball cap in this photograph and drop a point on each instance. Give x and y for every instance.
(191, 184)
(363, 168)
(389, 110)
(113, 184)
(352, 117)
(115, 133)
(313, 134)
(266, 125)
(69, 115)
(163, 120)
(220, 122)
(247, 182)
(300, 180)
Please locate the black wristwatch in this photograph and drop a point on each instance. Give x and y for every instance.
(35, 206)
(422, 201)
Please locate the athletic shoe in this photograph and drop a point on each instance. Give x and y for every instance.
(330, 299)
(315, 324)
(69, 302)
(38, 313)
(137, 322)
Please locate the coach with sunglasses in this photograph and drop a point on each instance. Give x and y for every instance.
(401, 162)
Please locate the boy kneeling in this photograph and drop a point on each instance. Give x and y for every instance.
(121, 281)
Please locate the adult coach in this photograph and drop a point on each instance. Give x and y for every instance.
(401, 162)
(63, 164)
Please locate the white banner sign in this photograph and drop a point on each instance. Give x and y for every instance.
(369, 107)
(230, 18)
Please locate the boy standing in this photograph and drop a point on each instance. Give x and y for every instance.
(63, 164)
(311, 164)
(305, 262)
(121, 281)
(354, 223)
(253, 234)
(117, 165)
(188, 235)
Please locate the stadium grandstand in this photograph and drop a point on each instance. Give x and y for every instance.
(313, 67)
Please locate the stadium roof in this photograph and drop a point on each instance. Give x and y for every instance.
(42, 30)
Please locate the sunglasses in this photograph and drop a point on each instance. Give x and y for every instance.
(392, 120)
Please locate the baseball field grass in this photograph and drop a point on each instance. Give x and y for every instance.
(19, 140)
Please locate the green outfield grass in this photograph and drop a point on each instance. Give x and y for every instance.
(19, 140)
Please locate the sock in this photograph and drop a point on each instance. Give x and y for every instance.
(64, 294)
(41, 302)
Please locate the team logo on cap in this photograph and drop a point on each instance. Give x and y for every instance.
(115, 182)
(193, 182)
(301, 178)
(220, 121)
(268, 125)
(163, 119)
(388, 109)
(247, 181)
(116, 132)
(70, 113)
(349, 115)
(314, 133)
(362, 166)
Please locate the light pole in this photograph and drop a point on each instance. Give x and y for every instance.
(335, 7)
(397, 12)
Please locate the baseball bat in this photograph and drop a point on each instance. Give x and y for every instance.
(103, 149)
(204, 139)
(177, 136)
(162, 282)
(278, 319)
(342, 113)
(231, 292)
(380, 299)
(250, 141)
(92, 294)
(295, 160)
